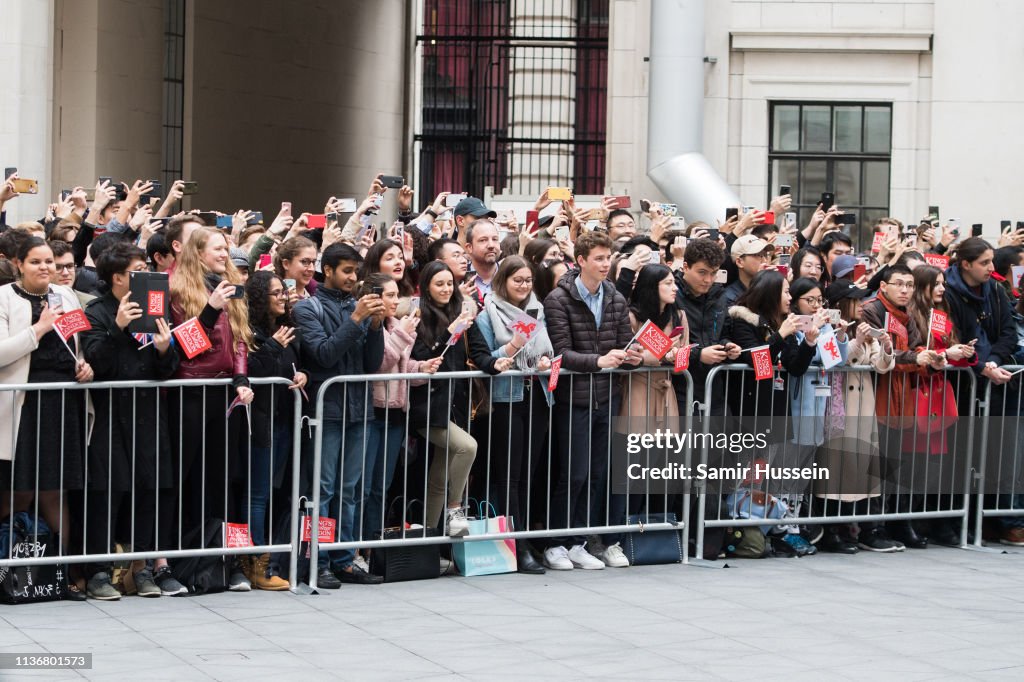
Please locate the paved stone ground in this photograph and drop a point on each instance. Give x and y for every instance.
(939, 613)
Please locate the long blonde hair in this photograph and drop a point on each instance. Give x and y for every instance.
(189, 289)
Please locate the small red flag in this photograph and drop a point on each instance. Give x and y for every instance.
(192, 337)
(654, 340)
(894, 326)
(682, 359)
(237, 535)
(325, 533)
(762, 357)
(938, 322)
(556, 367)
(69, 324)
(941, 262)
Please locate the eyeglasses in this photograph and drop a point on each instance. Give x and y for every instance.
(812, 300)
(280, 293)
(520, 281)
(70, 267)
(307, 262)
(901, 285)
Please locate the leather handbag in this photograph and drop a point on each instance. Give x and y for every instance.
(403, 562)
(651, 547)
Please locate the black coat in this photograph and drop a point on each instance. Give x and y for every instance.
(273, 406)
(448, 398)
(575, 336)
(127, 419)
(708, 319)
(759, 398)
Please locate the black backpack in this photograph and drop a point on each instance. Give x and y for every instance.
(203, 574)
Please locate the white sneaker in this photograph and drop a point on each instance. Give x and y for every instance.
(456, 523)
(557, 559)
(581, 558)
(361, 562)
(614, 557)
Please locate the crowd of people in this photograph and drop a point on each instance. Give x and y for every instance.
(445, 289)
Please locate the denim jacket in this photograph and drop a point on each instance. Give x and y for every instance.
(506, 389)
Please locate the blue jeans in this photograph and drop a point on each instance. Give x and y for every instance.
(383, 442)
(261, 482)
(344, 450)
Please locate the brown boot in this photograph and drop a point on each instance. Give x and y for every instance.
(261, 577)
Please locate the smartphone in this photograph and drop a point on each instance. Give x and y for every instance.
(189, 187)
(848, 219)
(400, 233)
(157, 188)
(289, 283)
(209, 218)
(1020, 225)
(239, 291)
(533, 220)
(469, 307)
(783, 241)
(255, 219)
(859, 270)
(8, 172)
(316, 221)
(452, 200)
(623, 202)
(784, 260)
(804, 323)
(784, 190)
(676, 332)
(347, 206)
(377, 291)
(55, 301)
(876, 333)
(721, 277)
(732, 212)
(163, 222)
(505, 216)
(911, 240)
(562, 233)
(769, 218)
(1003, 224)
(393, 181)
(64, 194)
(378, 201)
(834, 316)
(414, 304)
(933, 212)
(954, 224)
(712, 233)
(976, 230)
(668, 210)
(828, 200)
(286, 208)
(26, 186)
(559, 193)
(224, 221)
(790, 221)
(782, 270)
(265, 260)
(107, 179)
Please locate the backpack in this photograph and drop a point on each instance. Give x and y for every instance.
(203, 574)
(746, 542)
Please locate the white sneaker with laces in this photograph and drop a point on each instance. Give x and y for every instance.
(614, 557)
(361, 562)
(557, 559)
(581, 558)
(456, 523)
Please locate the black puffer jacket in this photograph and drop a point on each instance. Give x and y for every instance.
(574, 335)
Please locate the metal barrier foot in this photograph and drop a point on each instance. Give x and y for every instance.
(988, 550)
(706, 563)
(304, 589)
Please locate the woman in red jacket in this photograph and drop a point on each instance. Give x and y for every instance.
(928, 440)
(203, 287)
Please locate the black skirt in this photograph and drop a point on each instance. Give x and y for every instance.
(51, 439)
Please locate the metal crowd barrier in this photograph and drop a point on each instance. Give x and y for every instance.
(1000, 469)
(937, 481)
(886, 473)
(76, 502)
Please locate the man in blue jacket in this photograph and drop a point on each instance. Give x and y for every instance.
(340, 337)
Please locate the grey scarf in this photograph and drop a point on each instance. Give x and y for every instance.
(501, 313)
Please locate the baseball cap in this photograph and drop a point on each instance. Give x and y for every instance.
(843, 265)
(748, 245)
(239, 257)
(474, 207)
(842, 289)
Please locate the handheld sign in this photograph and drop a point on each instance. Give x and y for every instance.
(152, 292)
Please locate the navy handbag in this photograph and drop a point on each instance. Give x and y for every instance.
(649, 547)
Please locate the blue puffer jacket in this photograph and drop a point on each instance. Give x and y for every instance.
(333, 345)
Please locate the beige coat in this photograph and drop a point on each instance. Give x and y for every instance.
(852, 457)
(17, 341)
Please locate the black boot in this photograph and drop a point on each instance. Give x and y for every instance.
(527, 563)
(905, 533)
